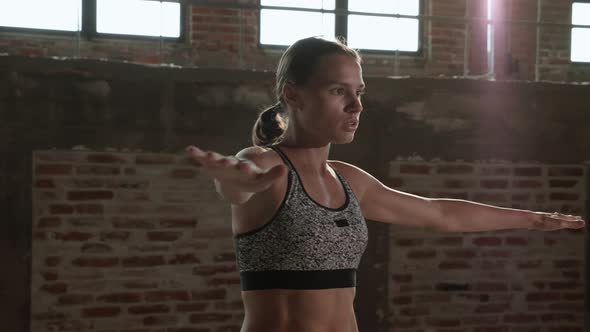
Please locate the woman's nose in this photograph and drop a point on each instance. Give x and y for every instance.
(355, 105)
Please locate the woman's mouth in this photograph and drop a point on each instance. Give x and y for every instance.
(351, 125)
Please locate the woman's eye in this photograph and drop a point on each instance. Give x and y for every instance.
(338, 91)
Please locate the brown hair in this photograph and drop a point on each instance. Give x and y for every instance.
(296, 66)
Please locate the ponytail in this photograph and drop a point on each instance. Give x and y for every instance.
(269, 127)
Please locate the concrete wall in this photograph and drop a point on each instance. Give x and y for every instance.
(47, 104)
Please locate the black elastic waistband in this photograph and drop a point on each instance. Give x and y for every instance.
(253, 280)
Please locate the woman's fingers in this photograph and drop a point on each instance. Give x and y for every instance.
(554, 221)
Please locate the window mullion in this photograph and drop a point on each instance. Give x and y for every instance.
(341, 28)
(89, 18)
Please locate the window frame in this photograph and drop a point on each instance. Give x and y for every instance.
(88, 27)
(577, 63)
(341, 26)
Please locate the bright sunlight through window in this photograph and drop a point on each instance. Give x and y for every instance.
(580, 49)
(62, 15)
(284, 27)
(138, 17)
(364, 29)
(384, 33)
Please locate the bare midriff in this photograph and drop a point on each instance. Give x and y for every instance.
(325, 310)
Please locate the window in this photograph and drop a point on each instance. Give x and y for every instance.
(148, 18)
(580, 48)
(283, 27)
(372, 32)
(368, 25)
(152, 18)
(60, 15)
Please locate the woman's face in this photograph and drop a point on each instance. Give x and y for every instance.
(329, 105)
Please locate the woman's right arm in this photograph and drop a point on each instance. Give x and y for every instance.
(238, 178)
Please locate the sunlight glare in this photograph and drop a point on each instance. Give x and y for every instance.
(367, 32)
(308, 24)
(311, 4)
(149, 18)
(403, 7)
(63, 15)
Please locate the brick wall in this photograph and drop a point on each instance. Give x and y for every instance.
(49, 105)
(225, 35)
(509, 280)
(130, 240)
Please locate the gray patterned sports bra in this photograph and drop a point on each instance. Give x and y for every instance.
(305, 245)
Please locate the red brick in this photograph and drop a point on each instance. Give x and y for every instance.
(48, 222)
(422, 254)
(487, 241)
(401, 300)
(52, 261)
(96, 261)
(163, 236)
(154, 160)
(543, 297)
(409, 242)
(454, 265)
(207, 270)
(567, 264)
(105, 158)
(414, 169)
(149, 309)
(162, 296)
(44, 183)
(516, 241)
(414, 311)
(61, 209)
(119, 298)
(442, 322)
(494, 184)
(178, 223)
(209, 294)
(53, 169)
(184, 259)
(455, 169)
(75, 299)
(528, 184)
(209, 317)
(160, 320)
(520, 318)
(449, 241)
(89, 209)
(564, 196)
(97, 170)
(98, 312)
(563, 183)
(460, 253)
(143, 261)
(56, 288)
(188, 307)
(528, 171)
(73, 236)
(219, 281)
(566, 171)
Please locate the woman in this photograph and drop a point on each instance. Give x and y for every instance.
(299, 218)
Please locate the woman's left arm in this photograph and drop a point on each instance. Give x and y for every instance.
(381, 203)
(467, 216)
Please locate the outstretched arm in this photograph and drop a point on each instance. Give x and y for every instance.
(381, 203)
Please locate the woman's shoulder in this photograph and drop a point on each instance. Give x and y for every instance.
(358, 178)
(263, 157)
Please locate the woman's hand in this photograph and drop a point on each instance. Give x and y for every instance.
(554, 221)
(235, 175)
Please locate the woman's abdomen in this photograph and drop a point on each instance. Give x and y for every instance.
(323, 310)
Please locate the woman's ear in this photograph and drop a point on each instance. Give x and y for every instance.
(292, 96)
